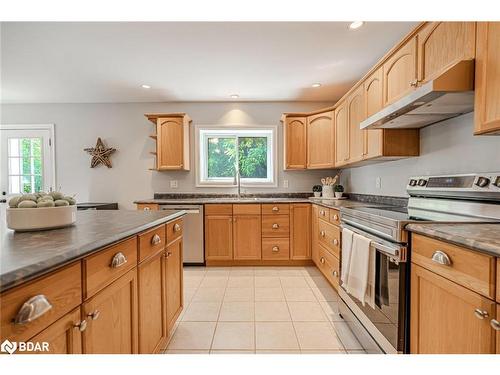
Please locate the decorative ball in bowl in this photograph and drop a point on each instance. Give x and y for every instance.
(41, 211)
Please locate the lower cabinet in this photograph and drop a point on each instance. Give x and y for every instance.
(173, 279)
(314, 234)
(247, 237)
(447, 318)
(111, 317)
(219, 237)
(300, 231)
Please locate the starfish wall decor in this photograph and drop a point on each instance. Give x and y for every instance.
(100, 154)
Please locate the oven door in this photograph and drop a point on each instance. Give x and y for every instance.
(387, 323)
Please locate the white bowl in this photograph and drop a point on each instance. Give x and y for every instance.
(31, 219)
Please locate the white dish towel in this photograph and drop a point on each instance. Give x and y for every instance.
(361, 274)
(346, 254)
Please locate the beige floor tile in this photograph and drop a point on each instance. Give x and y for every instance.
(234, 336)
(242, 271)
(168, 351)
(316, 335)
(269, 294)
(266, 271)
(192, 281)
(318, 282)
(214, 281)
(311, 271)
(346, 336)
(267, 282)
(193, 336)
(229, 352)
(293, 282)
(306, 312)
(357, 352)
(188, 294)
(318, 351)
(325, 294)
(275, 335)
(291, 272)
(299, 294)
(239, 295)
(237, 312)
(271, 312)
(209, 294)
(240, 282)
(218, 271)
(202, 312)
(331, 310)
(277, 352)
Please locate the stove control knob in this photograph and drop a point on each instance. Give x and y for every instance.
(483, 182)
(422, 182)
(497, 182)
(413, 182)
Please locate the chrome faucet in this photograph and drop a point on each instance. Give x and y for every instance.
(237, 181)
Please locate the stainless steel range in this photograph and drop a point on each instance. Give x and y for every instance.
(468, 198)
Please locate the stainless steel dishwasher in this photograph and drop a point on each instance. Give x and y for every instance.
(193, 246)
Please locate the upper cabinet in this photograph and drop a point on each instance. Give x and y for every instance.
(320, 141)
(487, 99)
(356, 114)
(400, 72)
(172, 141)
(341, 135)
(295, 135)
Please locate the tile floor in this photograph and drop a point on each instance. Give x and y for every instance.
(259, 310)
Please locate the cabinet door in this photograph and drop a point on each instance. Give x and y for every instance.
(443, 317)
(247, 237)
(314, 234)
(219, 237)
(112, 318)
(356, 114)
(487, 87)
(170, 143)
(300, 231)
(63, 336)
(442, 45)
(400, 72)
(174, 282)
(341, 135)
(295, 132)
(498, 331)
(320, 141)
(373, 93)
(152, 304)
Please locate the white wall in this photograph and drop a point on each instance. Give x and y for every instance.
(124, 127)
(446, 147)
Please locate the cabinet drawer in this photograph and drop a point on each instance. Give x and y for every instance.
(329, 237)
(276, 226)
(275, 248)
(148, 207)
(62, 289)
(334, 217)
(276, 209)
(467, 268)
(324, 213)
(218, 209)
(108, 265)
(246, 209)
(151, 242)
(174, 230)
(330, 267)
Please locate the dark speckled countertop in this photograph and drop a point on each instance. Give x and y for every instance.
(480, 237)
(25, 256)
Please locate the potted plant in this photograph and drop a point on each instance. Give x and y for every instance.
(317, 190)
(339, 190)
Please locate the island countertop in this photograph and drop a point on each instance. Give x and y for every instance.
(27, 255)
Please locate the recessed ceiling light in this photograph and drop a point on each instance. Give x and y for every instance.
(234, 96)
(316, 85)
(356, 25)
(145, 86)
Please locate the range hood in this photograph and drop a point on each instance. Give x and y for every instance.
(449, 95)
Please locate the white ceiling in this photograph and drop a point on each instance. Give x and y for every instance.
(108, 62)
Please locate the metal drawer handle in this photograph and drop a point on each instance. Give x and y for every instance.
(276, 226)
(32, 309)
(495, 324)
(94, 315)
(156, 239)
(322, 233)
(440, 257)
(177, 227)
(118, 260)
(276, 249)
(322, 213)
(335, 217)
(275, 208)
(82, 326)
(168, 254)
(322, 260)
(335, 274)
(480, 314)
(146, 209)
(335, 241)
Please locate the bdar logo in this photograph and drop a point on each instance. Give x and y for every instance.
(8, 347)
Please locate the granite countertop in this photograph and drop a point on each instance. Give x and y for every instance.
(27, 255)
(206, 200)
(339, 203)
(481, 237)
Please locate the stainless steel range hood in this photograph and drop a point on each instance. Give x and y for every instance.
(449, 95)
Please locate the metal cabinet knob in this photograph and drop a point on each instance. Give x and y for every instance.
(322, 213)
(146, 209)
(322, 233)
(495, 324)
(335, 217)
(168, 254)
(94, 315)
(276, 249)
(335, 274)
(177, 227)
(156, 239)
(119, 259)
(322, 260)
(275, 208)
(335, 241)
(481, 314)
(414, 83)
(440, 257)
(32, 309)
(275, 226)
(82, 326)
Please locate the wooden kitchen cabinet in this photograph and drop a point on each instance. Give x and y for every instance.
(295, 142)
(447, 318)
(314, 234)
(300, 231)
(487, 79)
(356, 114)
(498, 331)
(112, 318)
(373, 102)
(341, 135)
(219, 237)
(400, 72)
(148, 206)
(174, 281)
(442, 45)
(320, 141)
(247, 238)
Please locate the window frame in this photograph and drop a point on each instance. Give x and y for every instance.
(230, 131)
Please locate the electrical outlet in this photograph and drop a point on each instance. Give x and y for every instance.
(285, 184)
(173, 184)
(378, 182)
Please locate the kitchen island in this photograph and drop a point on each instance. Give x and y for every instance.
(83, 288)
